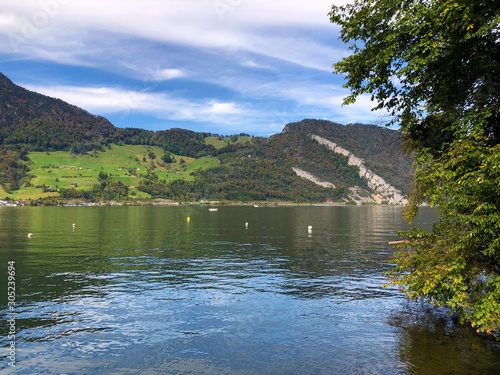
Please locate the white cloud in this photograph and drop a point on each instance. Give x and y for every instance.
(253, 65)
(226, 116)
(164, 74)
(297, 50)
(243, 25)
(9, 23)
(218, 108)
(106, 100)
(273, 57)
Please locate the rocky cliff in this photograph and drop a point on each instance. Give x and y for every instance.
(381, 190)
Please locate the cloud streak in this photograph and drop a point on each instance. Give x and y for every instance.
(259, 118)
(225, 24)
(120, 101)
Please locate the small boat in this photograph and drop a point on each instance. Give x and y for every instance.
(213, 209)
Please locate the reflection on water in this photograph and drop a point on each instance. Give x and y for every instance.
(430, 342)
(142, 290)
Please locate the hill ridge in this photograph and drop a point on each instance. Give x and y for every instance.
(285, 166)
(382, 191)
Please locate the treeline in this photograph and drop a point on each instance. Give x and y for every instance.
(107, 190)
(177, 141)
(248, 180)
(13, 169)
(45, 135)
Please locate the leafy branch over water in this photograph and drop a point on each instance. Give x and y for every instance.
(435, 66)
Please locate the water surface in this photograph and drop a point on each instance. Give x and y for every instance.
(140, 290)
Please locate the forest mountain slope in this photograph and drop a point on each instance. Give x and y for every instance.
(39, 122)
(292, 165)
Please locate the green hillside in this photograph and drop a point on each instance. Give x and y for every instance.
(49, 148)
(129, 164)
(220, 142)
(39, 122)
(263, 170)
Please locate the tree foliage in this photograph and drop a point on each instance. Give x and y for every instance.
(13, 169)
(434, 65)
(106, 190)
(457, 264)
(419, 57)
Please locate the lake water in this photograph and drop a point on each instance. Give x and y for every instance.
(140, 290)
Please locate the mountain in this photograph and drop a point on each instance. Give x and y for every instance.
(376, 152)
(310, 161)
(40, 122)
(379, 147)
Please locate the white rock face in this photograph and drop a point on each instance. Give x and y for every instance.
(310, 177)
(382, 190)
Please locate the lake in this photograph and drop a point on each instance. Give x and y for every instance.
(142, 290)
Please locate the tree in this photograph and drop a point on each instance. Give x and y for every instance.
(103, 176)
(434, 65)
(167, 158)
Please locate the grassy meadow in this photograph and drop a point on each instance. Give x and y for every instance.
(220, 143)
(129, 163)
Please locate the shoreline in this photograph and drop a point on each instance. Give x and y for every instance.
(164, 202)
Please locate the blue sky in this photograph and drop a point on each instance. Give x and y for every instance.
(222, 66)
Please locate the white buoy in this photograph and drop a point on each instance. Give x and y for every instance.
(246, 224)
(30, 235)
(74, 225)
(309, 229)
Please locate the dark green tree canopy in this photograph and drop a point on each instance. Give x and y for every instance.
(435, 66)
(425, 57)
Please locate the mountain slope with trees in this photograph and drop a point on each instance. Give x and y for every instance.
(249, 169)
(379, 147)
(264, 168)
(37, 122)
